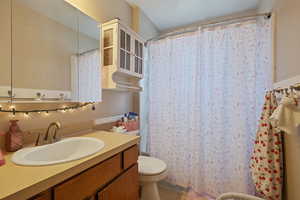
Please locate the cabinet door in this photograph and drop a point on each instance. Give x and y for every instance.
(126, 187)
(138, 57)
(108, 46)
(125, 50)
(130, 157)
(88, 182)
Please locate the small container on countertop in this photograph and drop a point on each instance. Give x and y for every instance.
(14, 137)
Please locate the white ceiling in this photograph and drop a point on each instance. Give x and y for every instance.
(167, 14)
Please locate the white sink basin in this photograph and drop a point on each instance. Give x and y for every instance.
(63, 151)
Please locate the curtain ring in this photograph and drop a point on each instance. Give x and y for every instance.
(282, 91)
(292, 91)
(286, 92)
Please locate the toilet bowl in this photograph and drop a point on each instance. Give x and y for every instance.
(151, 171)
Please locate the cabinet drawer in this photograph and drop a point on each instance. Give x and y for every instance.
(125, 187)
(88, 182)
(130, 157)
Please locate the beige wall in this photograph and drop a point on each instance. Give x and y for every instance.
(147, 29)
(287, 66)
(105, 10)
(5, 42)
(288, 42)
(43, 47)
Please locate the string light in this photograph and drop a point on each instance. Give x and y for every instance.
(46, 113)
(26, 115)
(64, 109)
(12, 109)
(71, 110)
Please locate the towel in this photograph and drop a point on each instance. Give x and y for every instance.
(287, 115)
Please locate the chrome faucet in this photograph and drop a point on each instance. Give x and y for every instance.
(57, 126)
(46, 139)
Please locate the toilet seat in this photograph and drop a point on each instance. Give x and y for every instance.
(149, 166)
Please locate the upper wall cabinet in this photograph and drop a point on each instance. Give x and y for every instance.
(123, 50)
(54, 52)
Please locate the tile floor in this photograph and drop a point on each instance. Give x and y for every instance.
(172, 193)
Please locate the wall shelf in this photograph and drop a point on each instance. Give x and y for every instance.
(287, 83)
(30, 95)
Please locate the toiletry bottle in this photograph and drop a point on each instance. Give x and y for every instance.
(14, 137)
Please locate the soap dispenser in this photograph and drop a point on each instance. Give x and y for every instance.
(14, 137)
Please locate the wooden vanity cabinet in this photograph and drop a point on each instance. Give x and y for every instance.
(125, 187)
(113, 179)
(88, 182)
(130, 157)
(43, 196)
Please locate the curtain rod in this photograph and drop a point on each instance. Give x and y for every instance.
(88, 51)
(195, 28)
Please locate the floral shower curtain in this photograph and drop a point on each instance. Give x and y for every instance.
(205, 94)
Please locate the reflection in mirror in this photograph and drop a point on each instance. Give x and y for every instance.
(5, 49)
(55, 52)
(86, 64)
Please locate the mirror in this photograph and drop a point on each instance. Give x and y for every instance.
(55, 53)
(5, 49)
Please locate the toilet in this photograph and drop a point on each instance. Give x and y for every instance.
(151, 171)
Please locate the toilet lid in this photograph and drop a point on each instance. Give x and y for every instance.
(151, 166)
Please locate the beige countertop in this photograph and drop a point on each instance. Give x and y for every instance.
(22, 182)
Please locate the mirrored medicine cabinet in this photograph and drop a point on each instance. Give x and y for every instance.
(49, 52)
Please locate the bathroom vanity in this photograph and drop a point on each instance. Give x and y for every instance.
(109, 174)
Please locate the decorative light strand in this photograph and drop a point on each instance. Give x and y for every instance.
(14, 111)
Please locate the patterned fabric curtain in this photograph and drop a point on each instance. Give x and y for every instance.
(205, 95)
(266, 162)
